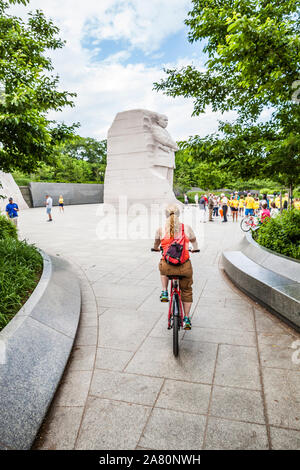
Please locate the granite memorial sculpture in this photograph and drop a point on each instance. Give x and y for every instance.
(9, 188)
(140, 159)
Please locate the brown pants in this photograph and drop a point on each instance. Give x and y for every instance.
(186, 271)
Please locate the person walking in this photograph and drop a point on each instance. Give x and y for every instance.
(197, 198)
(249, 205)
(211, 204)
(186, 199)
(12, 210)
(241, 206)
(49, 203)
(224, 204)
(216, 206)
(202, 207)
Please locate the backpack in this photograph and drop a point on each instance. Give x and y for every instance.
(202, 201)
(177, 252)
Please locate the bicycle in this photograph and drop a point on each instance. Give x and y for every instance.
(176, 312)
(249, 222)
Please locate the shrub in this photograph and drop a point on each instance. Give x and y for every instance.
(281, 234)
(7, 229)
(20, 268)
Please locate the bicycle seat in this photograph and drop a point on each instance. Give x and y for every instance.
(174, 277)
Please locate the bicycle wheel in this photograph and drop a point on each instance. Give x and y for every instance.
(245, 224)
(175, 335)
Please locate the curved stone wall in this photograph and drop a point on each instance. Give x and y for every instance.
(277, 263)
(36, 345)
(73, 193)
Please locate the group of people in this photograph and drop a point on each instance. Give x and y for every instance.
(236, 205)
(49, 204)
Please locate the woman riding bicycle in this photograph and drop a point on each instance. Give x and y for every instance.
(165, 237)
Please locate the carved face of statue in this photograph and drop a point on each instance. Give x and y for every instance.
(162, 121)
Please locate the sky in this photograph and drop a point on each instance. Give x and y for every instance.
(115, 50)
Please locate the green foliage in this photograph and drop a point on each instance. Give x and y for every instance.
(29, 91)
(71, 164)
(7, 228)
(20, 268)
(281, 234)
(253, 58)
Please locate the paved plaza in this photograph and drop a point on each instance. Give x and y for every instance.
(235, 384)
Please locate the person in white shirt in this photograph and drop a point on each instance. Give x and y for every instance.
(274, 210)
(49, 203)
(196, 198)
(224, 204)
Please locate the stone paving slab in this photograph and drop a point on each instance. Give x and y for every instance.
(233, 386)
(282, 394)
(237, 404)
(181, 395)
(173, 430)
(285, 439)
(237, 366)
(231, 435)
(120, 386)
(124, 423)
(155, 358)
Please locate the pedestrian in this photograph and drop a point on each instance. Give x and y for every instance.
(256, 206)
(211, 204)
(224, 204)
(197, 198)
(49, 203)
(186, 199)
(12, 210)
(202, 207)
(61, 204)
(241, 206)
(249, 203)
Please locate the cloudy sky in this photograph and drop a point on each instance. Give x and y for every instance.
(115, 50)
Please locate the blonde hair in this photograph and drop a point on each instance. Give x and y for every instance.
(173, 223)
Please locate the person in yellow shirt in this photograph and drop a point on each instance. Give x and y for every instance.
(61, 204)
(277, 202)
(249, 201)
(297, 204)
(234, 208)
(241, 206)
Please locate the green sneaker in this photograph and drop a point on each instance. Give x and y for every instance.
(187, 324)
(164, 296)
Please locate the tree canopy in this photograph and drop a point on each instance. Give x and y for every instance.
(29, 90)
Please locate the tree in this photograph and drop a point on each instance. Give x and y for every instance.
(88, 150)
(253, 49)
(29, 91)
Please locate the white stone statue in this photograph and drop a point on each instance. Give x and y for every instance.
(140, 159)
(10, 189)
